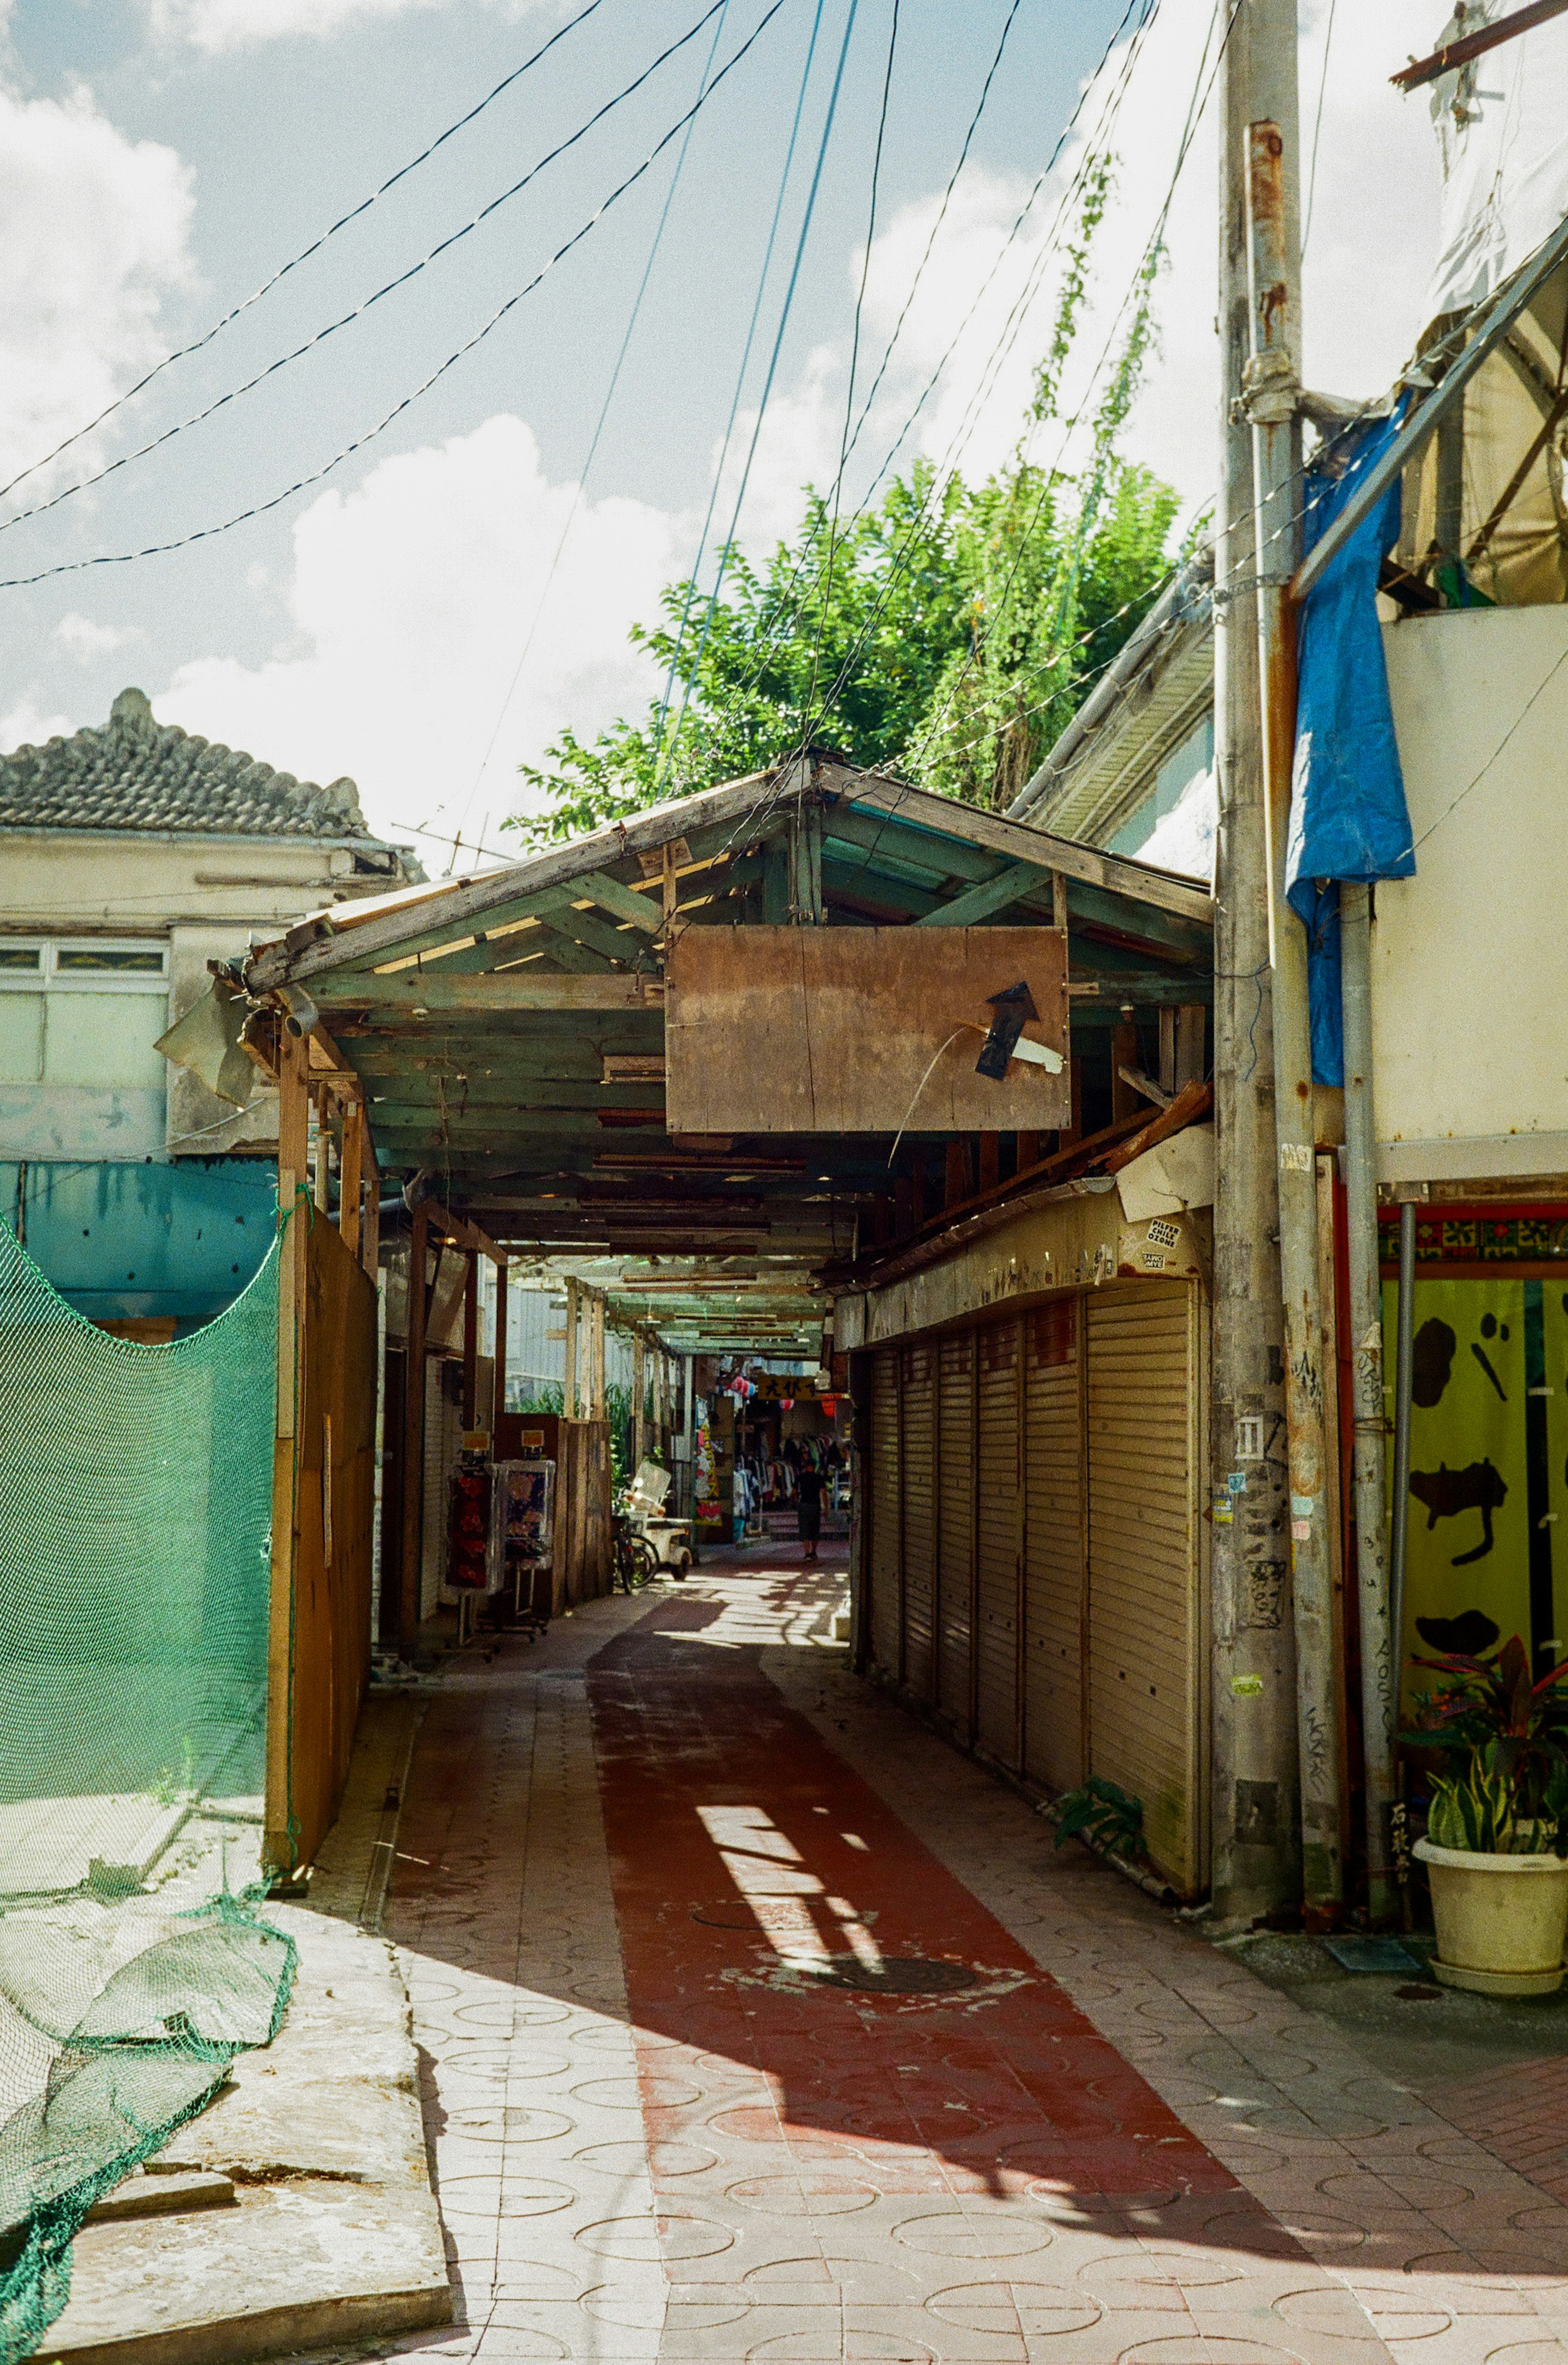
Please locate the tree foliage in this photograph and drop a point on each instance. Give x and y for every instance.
(947, 633)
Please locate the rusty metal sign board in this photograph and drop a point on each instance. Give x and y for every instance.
(862, 1030)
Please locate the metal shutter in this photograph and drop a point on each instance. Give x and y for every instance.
(1053, 1547)
(887, 1615)
(919, 1457)
(1145, 1621)
(999, 1538)
(956, 1528)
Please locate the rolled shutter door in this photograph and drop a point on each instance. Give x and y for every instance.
(999, 1528)
(918, 1462)
(956, 1527)
(1053, 1546)
(886, 1511)
(1144, 1611)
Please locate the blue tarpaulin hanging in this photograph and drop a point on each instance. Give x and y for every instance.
(1349, 817)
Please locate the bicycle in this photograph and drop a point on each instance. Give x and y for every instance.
(635, 1562)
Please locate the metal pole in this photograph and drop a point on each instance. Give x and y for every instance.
(1272, 386)
(1253, 1786)
(1404, 1374)
(1369, 1463)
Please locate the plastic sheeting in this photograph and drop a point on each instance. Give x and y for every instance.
(1348, 816)
(1503, 132)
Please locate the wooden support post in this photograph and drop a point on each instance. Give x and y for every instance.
(639, 1392)
(293, 1213)
(323, 1144)
(352, 1180)
(990, 1161)
(471, 1340)
(1192, 1055)
(500, 1391)
(596, 1357)
(1059, 900)
(669, 885)
(1166, 1077)
(414, 1437)
(957, 1181)
(569, 1386)
(1029, 1151)
(370, 1229)
(1125, 1101)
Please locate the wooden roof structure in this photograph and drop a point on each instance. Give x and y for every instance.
(507, 1030)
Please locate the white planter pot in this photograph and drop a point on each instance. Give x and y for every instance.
(1501, 1920)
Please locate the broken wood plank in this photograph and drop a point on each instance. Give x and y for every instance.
(993, 894)
(501, 991)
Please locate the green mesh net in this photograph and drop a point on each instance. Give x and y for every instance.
(135, 1511)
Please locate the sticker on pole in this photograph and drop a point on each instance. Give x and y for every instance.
(1295, 1157)
(1247, 1687)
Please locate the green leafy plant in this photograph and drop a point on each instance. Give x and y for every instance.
(1103, 1815)
(1506, 1736)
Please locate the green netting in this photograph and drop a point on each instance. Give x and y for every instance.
(135, 1511)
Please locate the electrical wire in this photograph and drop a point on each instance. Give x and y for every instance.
(1006, 339)
(1317, 129)
(197, 344)
(405, 402)
(593, 445)
(773, 360)
(740, 381)
(358, 311)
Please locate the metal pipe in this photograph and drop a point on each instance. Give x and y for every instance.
(1404, 1375)
(1511, 301)
(1369, 1459)
(1273, 389)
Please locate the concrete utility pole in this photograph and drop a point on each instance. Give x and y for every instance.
(1255, 1848)
(1272, 393)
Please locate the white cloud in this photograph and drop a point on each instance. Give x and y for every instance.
(95, 237)
(85, 640)
(29, 724)
(1365, 273)
(214, 26)
(412, 598)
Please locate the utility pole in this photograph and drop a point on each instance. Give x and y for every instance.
(1272, 399)
(1256, 1864)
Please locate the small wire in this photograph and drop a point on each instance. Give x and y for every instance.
(302, 484)
(1317, 129)
(357, 312)
(183, 353)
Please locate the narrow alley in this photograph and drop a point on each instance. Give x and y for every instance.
(758, 2023)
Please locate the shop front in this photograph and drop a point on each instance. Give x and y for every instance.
(757, 1431)
(1030, 1569)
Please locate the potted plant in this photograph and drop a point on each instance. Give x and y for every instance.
(1497, 1843)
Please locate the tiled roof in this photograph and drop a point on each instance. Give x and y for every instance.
(136, 773)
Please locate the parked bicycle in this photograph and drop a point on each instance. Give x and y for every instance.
(636, 1561)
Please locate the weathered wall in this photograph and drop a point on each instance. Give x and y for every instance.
(1470, 958)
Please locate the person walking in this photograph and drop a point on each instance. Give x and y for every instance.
(809, 1483)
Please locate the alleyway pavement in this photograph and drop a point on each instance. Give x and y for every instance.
(760, 2024)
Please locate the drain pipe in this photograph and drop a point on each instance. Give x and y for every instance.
(1403, 1376)
(1369, 1461)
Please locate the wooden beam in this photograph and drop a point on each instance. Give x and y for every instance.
(569, 1383)
(1145, 1087)
(1455, 54)
(1019, 842)
(992, 894)
(370, 1236)
(411, 1554)
(498, 1387)
(471, 1341)
(351, 1182)
(623, 903)
(421, 990)
(294, 1216)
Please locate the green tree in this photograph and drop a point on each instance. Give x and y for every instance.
(947, 633)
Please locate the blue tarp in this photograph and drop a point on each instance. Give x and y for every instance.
(1349, 817)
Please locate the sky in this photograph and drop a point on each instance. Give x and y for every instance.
(431, 611)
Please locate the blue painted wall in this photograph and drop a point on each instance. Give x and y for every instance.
(153, 1238)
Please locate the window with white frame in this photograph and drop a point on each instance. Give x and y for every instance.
(84, 1011)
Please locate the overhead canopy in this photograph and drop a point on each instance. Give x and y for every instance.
(508, 1030)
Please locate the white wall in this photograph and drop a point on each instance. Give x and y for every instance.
(1470, 958)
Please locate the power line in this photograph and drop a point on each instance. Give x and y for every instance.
(183, 353)
(357, 312)
(778, 346)
(593, 441)
(740, 376)
(302, 484)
